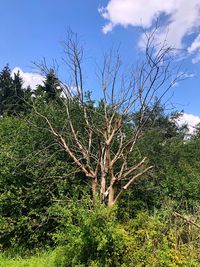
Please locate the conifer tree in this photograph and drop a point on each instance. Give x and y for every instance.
(6, 90)
(51, 88)
(18, 104)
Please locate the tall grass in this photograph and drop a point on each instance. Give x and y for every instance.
(44, 260)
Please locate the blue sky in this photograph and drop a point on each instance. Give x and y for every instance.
(31, 30)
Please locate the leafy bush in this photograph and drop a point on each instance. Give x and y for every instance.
(92, 236)
(32, 176)
(155, 242)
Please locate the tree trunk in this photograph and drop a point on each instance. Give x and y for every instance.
(103, 186)
(111, 196)
(94, 188)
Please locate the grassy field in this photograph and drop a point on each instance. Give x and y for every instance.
(45, 260)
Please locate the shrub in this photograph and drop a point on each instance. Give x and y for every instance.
(92, 236)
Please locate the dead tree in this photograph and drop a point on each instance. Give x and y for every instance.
(103, 154)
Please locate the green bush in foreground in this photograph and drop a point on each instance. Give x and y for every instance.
(90, 237)
(94, 237)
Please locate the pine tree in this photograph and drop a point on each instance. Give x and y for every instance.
(6, 90)
(18, 104)
(51, 88)
(11, 93)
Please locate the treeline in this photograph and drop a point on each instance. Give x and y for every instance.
(47, 199)
(15, 99)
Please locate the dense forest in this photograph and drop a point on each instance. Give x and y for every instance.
(87, 182)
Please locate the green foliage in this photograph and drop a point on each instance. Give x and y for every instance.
(46, 201)
(176, 169)
(33, 174)
(90, 236)
(180, 178)
(41, 260)
(93, 236)
(51, 89)
(13, 97)
(6, 89)
(155, 243)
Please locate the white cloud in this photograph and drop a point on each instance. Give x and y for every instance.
(134, 12)
(196, 59)
(108, 27)
(186, 75)
(195, 47)
(29, 78)
(189, 119)
(182, 18)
